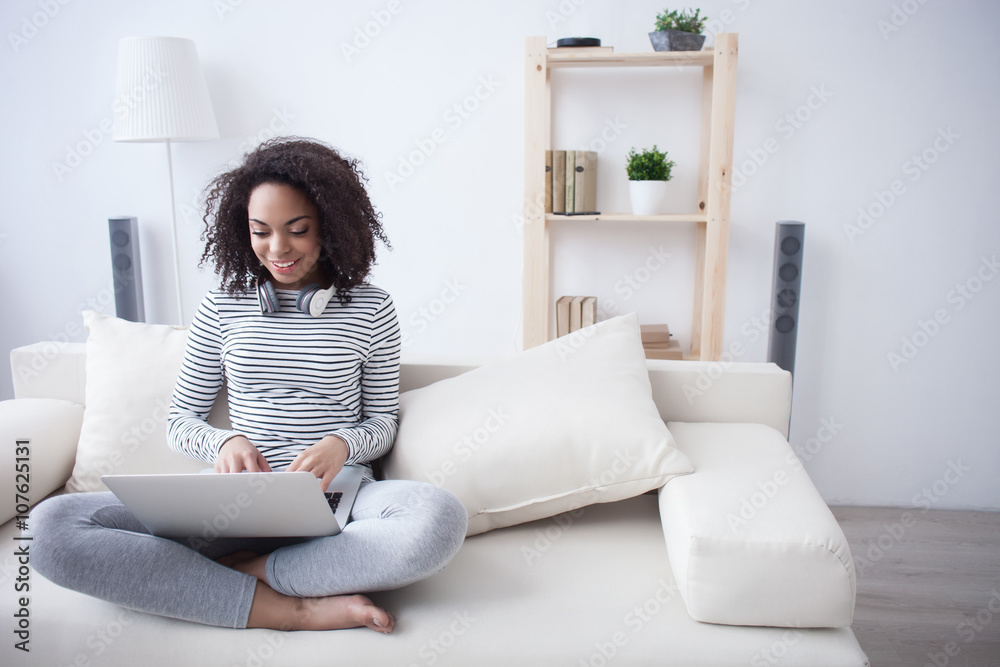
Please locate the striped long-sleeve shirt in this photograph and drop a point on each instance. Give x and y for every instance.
(292, 378)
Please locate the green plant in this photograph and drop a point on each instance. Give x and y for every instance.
(685, 21)
(649, 165)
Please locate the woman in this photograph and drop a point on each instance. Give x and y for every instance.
(307, 391)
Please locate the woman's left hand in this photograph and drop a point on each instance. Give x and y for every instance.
(324, 459)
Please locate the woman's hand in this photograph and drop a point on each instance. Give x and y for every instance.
(238, 454)
(324, 459)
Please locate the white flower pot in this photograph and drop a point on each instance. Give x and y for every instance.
(648, 197)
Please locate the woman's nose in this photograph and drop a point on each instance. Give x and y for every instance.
(278, 244)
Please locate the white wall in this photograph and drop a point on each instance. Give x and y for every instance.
(879, 95)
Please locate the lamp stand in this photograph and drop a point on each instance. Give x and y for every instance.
(173, 220)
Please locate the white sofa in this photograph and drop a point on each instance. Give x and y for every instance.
(683, 577)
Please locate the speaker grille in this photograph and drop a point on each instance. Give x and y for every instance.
(126, 270)
(786, 281)
(787, 298)
(790, 245)
(788, 272)
(119, 238)
(122, 262)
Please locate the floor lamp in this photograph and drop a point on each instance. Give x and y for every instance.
(161, 95)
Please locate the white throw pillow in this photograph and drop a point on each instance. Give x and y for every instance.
(560, 426)
(131, 371)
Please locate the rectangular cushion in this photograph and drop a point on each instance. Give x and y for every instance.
(722, 392)
(750, 540)
(50, 369)
(562, 425)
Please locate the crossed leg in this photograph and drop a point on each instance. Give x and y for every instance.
(402, 532)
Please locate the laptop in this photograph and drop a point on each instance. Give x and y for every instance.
(244, 504)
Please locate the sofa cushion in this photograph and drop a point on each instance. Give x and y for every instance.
(590, 587)
(131, 371)
(37, 438)
(563, 425)
(750, 540)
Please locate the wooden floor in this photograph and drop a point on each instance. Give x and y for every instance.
(928, 585)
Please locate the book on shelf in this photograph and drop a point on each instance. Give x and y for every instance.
(562, 315)
(588, 311)
(583, 50)
(671, 350)
(574, 313)
(658, 343)
(585, 180)
(654, 333)
(548, 181)
(571, 182)
(558, 181)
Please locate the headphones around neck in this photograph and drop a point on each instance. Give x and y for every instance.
(312, 298)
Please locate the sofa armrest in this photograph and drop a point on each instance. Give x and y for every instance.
(749, 538)
(722, 392)
(48, 430)
(50, 369)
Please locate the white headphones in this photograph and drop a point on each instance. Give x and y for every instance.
(312, 298)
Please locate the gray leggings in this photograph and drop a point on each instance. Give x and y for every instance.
(401, 532)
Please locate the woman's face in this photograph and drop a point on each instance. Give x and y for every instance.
(284, 234)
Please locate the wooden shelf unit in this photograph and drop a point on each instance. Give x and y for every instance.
(714, 181)
(627, 217)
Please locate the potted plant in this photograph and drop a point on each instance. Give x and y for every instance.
(678, 31)
(648, 173)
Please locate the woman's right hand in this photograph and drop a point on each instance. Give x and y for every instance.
(238, 454)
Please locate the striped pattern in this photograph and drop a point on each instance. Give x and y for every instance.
(292, 378)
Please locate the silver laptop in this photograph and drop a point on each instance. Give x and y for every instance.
(245, 504)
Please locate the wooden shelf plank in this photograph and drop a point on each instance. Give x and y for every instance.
(627, 217)
(535, 327)
(708, 76)
(719, 188)
(565, 57)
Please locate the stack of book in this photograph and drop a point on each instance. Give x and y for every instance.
(571, 182)
(575, 312)
(657, 343)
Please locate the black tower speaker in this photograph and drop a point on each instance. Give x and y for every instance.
(126, 269)
(788, 240)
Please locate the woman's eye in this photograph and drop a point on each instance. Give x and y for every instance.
(299, 233)
(259, 233)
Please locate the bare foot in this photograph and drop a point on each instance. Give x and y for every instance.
(271, 609)
(346, 611)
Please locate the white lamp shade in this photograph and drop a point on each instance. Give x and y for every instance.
(161, 92)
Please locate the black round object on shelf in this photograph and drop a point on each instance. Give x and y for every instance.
(578, 41)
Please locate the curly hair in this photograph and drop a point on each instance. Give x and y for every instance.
(348, 222)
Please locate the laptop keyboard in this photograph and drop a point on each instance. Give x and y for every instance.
(333, 499)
